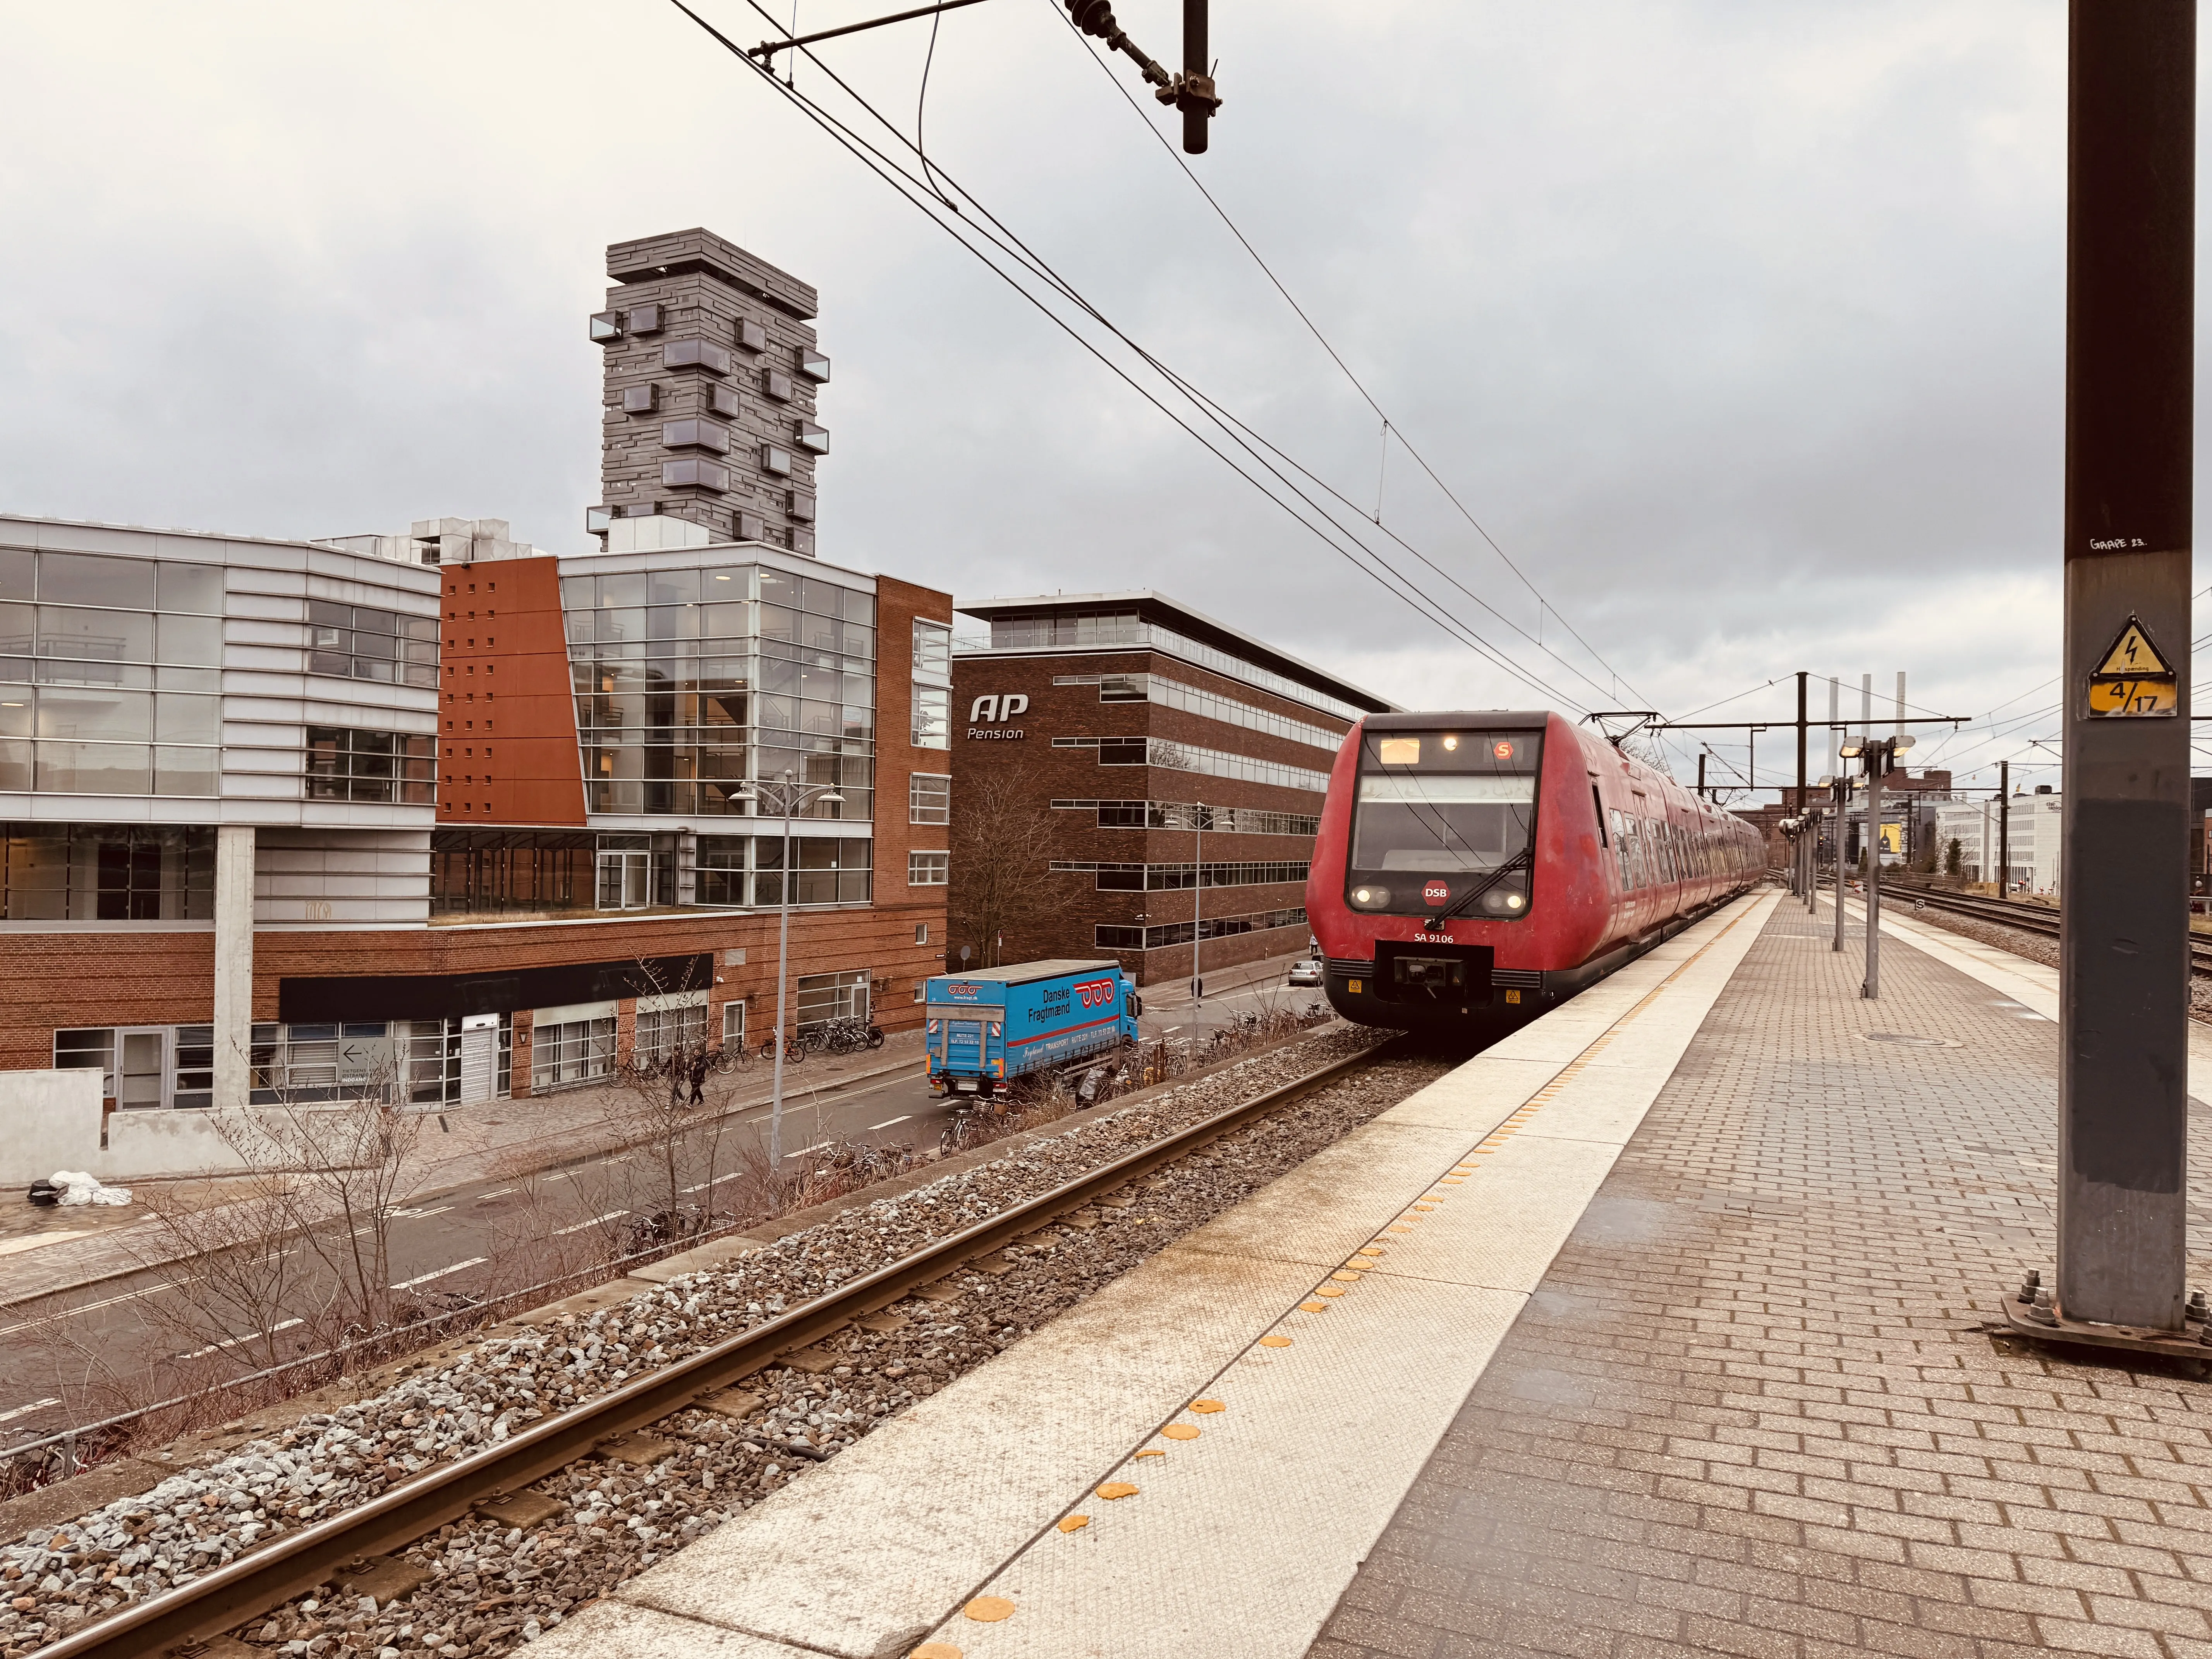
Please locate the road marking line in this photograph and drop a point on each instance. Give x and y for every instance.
(87, 1307)
(424, 1278)
(734, 1175)
(887, 1122)
(815, 1147)
(12, 1412)
(497, 1192)
(416, 1214)
(612, 1215)
(232, 1341)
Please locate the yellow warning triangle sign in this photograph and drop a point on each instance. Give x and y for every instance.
(2134, 654)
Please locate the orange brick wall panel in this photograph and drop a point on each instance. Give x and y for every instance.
(509, 756)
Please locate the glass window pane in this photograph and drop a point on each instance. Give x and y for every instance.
(186, 771)
(858, 607)
(672, 587)
(15, 573)
(195, 587)
(96, 636)
(91, 579)
(92, 713)
(726, 621)
(374, 622)
(186, 719)
(15, 772)
(620, 593)
(93, 769)
(14, 711)
(196, 640)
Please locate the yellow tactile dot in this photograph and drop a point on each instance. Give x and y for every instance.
(1423, 1209)
(1109, 1492)
(1180, 1432)
(1313, 1307)
(935, 1650)
(1330, 1290)
(990, 1609)
(1154, 1452)
(1203, 1407)
(1075, 1523)
(1398, 1230)
(1274, 1341)
(1346, 1274)
(1370, 1250)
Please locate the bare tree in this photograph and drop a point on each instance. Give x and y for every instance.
(1002, 843)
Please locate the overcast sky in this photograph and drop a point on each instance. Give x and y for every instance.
(1738, 325)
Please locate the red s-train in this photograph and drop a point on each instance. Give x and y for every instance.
(1473, 869)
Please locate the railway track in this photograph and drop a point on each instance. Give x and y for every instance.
(192, 1619)
(2028, 918)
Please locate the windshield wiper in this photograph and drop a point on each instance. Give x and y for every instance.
(1517, 861)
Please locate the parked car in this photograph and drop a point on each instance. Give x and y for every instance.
(1305, 973)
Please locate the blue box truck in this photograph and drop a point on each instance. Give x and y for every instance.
(985, 1029)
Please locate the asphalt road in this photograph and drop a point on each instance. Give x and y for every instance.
(128, 1341)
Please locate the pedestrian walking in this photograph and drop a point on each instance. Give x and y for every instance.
(699, 1079)
(676, 1079)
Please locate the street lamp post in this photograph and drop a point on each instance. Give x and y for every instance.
(1197, 922)
(789, 796)
(1876, 755)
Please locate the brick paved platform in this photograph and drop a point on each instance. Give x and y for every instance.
(1751, 1409)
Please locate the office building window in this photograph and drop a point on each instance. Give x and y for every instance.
(932, 717)
(105, 872)
(571, 1051)
(343, 764)
(927, 869)
(826, 997)
(360, 643)
(929, 798)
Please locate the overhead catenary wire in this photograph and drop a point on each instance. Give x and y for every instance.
(1390, 428)
(969, 228)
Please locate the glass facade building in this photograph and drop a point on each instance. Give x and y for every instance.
(689, 684)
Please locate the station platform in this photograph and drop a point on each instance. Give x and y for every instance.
(1654, 1329)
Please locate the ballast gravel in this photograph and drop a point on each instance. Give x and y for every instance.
(490, 1588)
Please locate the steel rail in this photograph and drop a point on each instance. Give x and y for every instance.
(269, 1575)
(2029, 918)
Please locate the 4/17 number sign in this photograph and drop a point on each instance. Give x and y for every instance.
(2133, 680)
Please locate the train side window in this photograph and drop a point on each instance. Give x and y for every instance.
(1602, 840)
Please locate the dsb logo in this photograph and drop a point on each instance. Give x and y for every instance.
(1095, 994)
(1436, 893)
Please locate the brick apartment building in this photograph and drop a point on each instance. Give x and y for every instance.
(291, 818)
(1099, 739)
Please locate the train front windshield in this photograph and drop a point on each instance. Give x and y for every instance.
(1440, 814)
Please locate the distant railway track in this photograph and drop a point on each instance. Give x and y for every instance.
(2028, 918)
(179, 1620)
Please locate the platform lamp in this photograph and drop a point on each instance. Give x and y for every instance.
(1839, 797)
(787, 795)
(1876, 755)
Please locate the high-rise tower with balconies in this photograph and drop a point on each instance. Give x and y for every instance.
(712, 374)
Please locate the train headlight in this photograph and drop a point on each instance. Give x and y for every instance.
(1506, 904)
(1513, 901)
(1370, 898)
